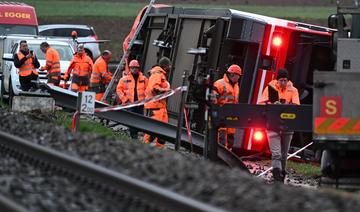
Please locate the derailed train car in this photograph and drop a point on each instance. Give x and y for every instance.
(203, 42)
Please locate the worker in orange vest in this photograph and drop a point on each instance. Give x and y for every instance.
(100, 76)
(27, 63)
(226, 91)
(81, 67)
(157, 84)
(279, 142)
(52, 64)
(131, 88)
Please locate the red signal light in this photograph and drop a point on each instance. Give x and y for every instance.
(259, 135)
(277, 41)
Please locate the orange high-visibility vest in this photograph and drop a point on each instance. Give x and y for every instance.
(157, 81)
(126, 87)
(290, 93)
(80, 66)
(225, 92)
(52, 62)
(28, 67)
(100, 76)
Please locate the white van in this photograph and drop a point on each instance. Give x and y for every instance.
(10, 84)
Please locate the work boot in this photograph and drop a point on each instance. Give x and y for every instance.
(277, 175)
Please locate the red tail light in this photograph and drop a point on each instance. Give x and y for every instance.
(277, 41)
(259, 135)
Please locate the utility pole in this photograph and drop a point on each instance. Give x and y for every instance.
(181, 114)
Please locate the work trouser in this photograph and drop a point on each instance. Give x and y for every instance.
(138, 110)
(159, 114)
(79, 83)
(54, 78)
(26, 81)
(279, 144)
(226, 137)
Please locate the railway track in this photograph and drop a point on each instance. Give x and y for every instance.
(68, 99)
(8, 205)
(112, 183)
(230, 189)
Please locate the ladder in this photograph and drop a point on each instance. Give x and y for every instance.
(110, 88)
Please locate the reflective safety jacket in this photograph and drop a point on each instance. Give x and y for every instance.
(225, 92)
(52, 62)
(290, 94)
(100, 76)
(28, 67)
(157, 85)
(126, 87)
(80, 66)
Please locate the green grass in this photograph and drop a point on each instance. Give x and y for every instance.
(305, 169)
(48, 8)
(3, 105)
(86, 126)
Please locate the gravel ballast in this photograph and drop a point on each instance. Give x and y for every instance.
(37, 189)
(200, 179)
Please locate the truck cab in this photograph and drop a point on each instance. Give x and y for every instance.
(336, 114)
(17, 18)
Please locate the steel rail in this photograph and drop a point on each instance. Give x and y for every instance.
(166, 131)
(153, 194)
(9, 205)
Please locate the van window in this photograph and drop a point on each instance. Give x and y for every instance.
(49, 32)
(66, 32)
(17, 29)
(64, 51)
(13, 48)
